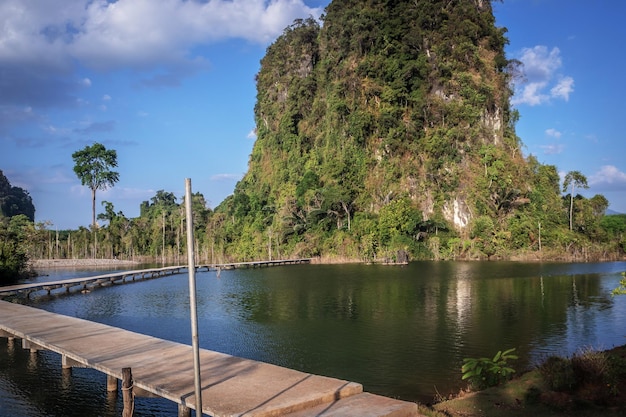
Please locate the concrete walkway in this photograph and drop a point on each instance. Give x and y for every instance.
(231, 386)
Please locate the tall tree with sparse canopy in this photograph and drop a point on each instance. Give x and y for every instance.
(573, 179)
(93, 167)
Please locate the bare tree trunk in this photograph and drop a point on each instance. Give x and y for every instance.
(571, 207)
(345, 208)
(93, 208)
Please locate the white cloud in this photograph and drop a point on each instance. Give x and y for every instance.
(553, 133)
(96, 127)
(105, 34)
(531, 95)
(129, 193)
(15, 114)
(251, 134)
(540, 68)
(563, 89)
(56, 130)
(41, 177)
(552, 149)
(80, 190)
(608, 178)
(539, 63)
(226, 177)
(106, 97)
(41, 42)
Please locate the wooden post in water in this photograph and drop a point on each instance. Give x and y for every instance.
(127, 392)
(184, 411)
(192, 297)
(111, 384)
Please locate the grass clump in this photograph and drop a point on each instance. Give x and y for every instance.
(590, 376)
(558, 373)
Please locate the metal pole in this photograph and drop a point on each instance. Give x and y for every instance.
(192, 297)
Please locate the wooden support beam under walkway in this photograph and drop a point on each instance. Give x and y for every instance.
(231, 386)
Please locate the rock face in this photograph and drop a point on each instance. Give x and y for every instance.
(386, 100)
(457, 212)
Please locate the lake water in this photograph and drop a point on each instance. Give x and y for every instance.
(400, 331)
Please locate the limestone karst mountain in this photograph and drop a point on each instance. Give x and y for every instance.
(387, 126)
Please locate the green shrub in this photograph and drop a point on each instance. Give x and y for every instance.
(484, 372)
(13, 260)
(621, 289)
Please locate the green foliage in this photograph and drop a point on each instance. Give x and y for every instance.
(15, 200)
(621, 289)
(614, 226)
(310, 181)
(485, 372)
(483, 231)
(16, 226)
(398, 218)
(13, 258)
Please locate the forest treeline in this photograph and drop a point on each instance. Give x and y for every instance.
(385, 128)
(159, 234)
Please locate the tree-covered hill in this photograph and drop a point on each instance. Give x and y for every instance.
(15, 200)
(387, 127)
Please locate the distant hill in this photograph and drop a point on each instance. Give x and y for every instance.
(14, 200)
(388, 128)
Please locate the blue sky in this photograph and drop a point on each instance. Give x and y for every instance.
(170, 86)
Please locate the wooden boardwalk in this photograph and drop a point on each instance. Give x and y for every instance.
(120, 277)
(254, 264)
(231, 386)
(89, 282)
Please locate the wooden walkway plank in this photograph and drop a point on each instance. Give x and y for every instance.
(84, 282)
(231, 386)
(361, 405)
(131, 276)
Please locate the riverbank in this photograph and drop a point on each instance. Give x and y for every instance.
(78, 263)
(595, 386)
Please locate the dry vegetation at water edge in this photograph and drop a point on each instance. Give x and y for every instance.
(590, 383)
